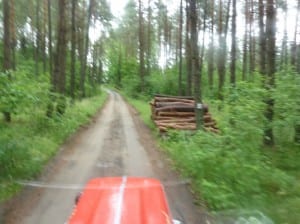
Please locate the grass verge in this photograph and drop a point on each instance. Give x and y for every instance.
(238, 179)
(27, 143)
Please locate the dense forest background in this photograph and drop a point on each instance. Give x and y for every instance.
(242, 58)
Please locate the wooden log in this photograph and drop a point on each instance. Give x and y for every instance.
(213, 130)
(207, 118)
(175, 114)
(163, 129)
(179, 127)
(173, 123)
(182, 120)
(156, 99)
(177, 97)
(210, 124)
(176, 108)
(174, 104)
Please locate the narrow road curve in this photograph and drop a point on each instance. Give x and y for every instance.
(117, 143)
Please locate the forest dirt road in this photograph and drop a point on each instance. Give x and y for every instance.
(116, 143)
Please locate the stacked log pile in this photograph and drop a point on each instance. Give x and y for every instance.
(178, 112)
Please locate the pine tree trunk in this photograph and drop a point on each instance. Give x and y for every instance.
(271, 68)
(149, 41)
(13, 41)
(262, 39)
(180, 85)
(196, 73)
(73, 49)
(188, 49)
(222, 32)
(233, 45)
(7, 64)
(86, 49)
(284, 47)
(37, 39)
(141, 48)
(294, 45)
(44, 39)
(60, 59)
(252, 43)
(210, 57)
(53, 79)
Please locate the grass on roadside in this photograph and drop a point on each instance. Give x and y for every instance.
(31, 139)
(233, 173)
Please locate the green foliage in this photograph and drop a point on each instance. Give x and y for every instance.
(144, 111)
(32, 139)
(287, 105)
(227, 174)
(243, 112)
(163, 82)
(11, 92)
(233, 171)
(19, 91)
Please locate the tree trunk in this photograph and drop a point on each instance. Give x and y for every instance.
(233, 45)
(6, 38)
(295, 46)
(149, 39)
(37, 38)
(180, 85)
(53, 79)
(271, 68)
(195, 62)
(251, 41)
(86, 49)
(7, 64)
(60, 56)
(60, 59)
(262, 40)
(73, 50)
(284, 47)
(141, 48)
(44, 39)
(119, 75)
(211, 51)
(188, 49)
(245, 43)
(13, 41)
(222, 32)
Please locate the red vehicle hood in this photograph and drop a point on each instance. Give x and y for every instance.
(122, 200)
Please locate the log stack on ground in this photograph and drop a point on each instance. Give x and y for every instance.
(178, 112)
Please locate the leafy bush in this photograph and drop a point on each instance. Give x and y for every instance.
(287, 106)
(32, 139)
(19, 92)
(163, 83)
(233, 171)
(227, 175)
(230, 170)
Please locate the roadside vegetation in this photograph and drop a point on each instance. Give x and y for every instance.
(248, 75)
(234, 173)
(50, 80)
(32, 138)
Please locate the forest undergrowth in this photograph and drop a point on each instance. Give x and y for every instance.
(32, 138)
(233, 174)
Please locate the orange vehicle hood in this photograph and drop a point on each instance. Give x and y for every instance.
(122, 200)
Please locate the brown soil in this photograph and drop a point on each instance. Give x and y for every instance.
(116, 143)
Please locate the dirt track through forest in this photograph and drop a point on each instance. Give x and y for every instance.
(117, 143)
